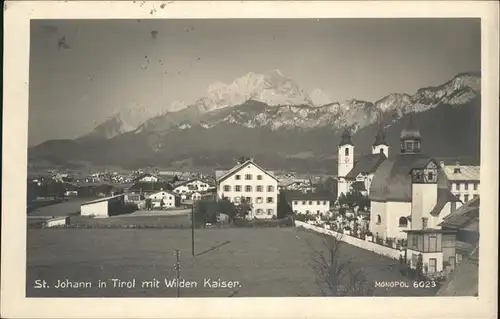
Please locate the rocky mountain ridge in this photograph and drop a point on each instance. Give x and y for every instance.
(301, 135)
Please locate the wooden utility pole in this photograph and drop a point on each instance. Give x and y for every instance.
(193, 212)
(177, 271)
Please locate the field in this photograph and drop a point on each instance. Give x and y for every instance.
(265, 262)
(150, 220)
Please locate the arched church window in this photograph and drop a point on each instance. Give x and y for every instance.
(382, 151)
(346, 151)
(379, 220)
(403, 222)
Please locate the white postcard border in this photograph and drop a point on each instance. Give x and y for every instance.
(14, 170)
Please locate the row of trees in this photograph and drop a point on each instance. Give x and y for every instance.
(354, 198)
(207, 210)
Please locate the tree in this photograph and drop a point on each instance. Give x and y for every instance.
(419, 267)
(354, 198)
(228, 208)
(244, 208)
(337, 277)
(149, 204)
(284, 208)
(162, 204)
(206, 211)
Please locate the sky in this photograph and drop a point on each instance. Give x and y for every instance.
(84, 71)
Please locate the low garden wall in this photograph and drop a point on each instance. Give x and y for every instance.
(351, 240)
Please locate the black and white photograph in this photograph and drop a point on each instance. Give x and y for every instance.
(260, 157)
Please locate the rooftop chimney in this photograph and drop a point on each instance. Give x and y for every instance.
(441, 164)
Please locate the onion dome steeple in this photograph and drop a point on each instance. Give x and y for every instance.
(345, 139)
(410, 138)
(380, 137)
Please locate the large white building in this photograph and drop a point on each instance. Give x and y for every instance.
(253, 183)
(463, 180)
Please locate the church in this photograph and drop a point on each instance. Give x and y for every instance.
(408, 190)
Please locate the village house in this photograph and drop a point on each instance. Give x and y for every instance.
(196, 196)
(190, 186)
(148, 178)
(169, 200)
(292, 183)
(463, 181)
(310, 204)
(455, 239)
(141, 190)
(253, 184)
(465, 222)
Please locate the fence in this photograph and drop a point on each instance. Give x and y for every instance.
(363, 244)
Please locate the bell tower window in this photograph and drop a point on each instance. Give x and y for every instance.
(346, 152)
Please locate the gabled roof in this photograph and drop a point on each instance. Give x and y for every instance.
(366, 164)
(239, 167)
(146, 175)
(181, 183)
(104, 199)
(422, 163)
(464, 217)
(444, 196)
(462, 172)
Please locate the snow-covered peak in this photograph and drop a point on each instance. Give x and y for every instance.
(319, 97)
(272, 88)
(177, 106)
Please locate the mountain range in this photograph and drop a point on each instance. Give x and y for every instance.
(272, 119)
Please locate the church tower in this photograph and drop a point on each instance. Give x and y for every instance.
(345, 161)
(380, 145)
(410, 138)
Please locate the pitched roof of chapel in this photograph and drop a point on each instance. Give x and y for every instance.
(366, 164)
(392, 179)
